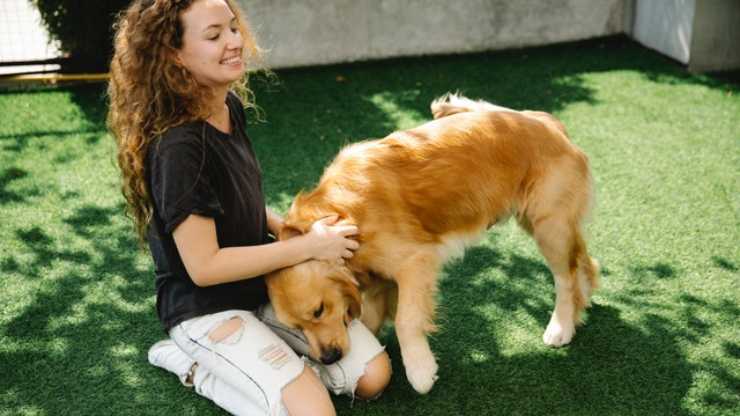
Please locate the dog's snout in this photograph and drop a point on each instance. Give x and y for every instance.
(331, 356)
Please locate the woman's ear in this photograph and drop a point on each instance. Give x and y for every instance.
(177, 59)
(174, 55)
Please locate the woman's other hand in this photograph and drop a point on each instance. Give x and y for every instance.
(330, 241)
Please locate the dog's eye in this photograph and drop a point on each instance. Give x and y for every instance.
(317, 313)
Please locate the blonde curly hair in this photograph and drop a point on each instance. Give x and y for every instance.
(150, 93)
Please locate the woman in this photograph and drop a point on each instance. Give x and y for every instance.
(193, 187)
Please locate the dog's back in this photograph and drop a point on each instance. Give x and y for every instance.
(460, 173)
(449, 104)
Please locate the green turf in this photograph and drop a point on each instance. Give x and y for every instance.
(76, 297)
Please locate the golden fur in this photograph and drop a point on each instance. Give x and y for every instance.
(419, 197)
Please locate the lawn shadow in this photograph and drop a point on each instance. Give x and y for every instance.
(7, 177)
(72, 342)
(724, 394)
(724, 264)
(612, 366)
(87, 117)
(659, 270)
(92, 100)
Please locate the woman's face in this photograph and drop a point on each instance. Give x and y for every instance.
(212, 44)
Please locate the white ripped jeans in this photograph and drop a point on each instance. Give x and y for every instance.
(245, 373)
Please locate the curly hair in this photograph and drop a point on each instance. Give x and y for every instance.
(150, 93)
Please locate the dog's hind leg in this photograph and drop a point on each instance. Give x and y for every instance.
(560, 240)
(417, 286)
(553, 212)
(557, 243)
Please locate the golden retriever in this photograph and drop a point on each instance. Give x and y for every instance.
(419, 197)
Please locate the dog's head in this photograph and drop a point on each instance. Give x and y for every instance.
(321, 299)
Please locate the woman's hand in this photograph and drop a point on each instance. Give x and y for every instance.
(329, 241)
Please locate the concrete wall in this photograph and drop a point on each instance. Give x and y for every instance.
(311, 32)
(703, 34)
(666, 26)
(715, 44)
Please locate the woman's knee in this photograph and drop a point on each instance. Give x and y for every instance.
(307, 396)
(376, 378)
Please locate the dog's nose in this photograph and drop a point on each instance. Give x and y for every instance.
(331, 356)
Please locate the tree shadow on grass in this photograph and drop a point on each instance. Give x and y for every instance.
(613, 366)
(601, 372)
(724, 264)
(86, 117)
(7, 177)
(80, 342)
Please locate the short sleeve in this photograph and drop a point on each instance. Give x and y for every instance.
(179, 178)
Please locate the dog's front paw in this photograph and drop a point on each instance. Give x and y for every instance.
(422, 375)
(557, 334)
(419, 362)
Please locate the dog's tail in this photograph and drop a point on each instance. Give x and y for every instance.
(453, 103)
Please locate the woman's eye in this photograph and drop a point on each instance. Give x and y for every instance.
(213, 37)
(317, 313)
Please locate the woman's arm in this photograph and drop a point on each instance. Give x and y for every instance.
(208, 264)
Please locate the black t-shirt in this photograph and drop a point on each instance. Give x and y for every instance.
(197, 169)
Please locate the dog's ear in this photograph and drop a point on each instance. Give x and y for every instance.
(289, 231)
(350, 289)
(277, 296)
(355, 305)
(348, 276)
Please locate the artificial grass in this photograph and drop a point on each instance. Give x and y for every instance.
(77, 306)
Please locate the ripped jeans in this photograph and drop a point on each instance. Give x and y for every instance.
(245, 372)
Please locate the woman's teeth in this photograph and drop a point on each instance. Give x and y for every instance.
(231, 61)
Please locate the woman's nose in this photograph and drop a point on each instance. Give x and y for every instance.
(234, 40)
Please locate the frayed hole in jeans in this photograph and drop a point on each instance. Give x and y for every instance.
(228, 332)
(274, 355)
